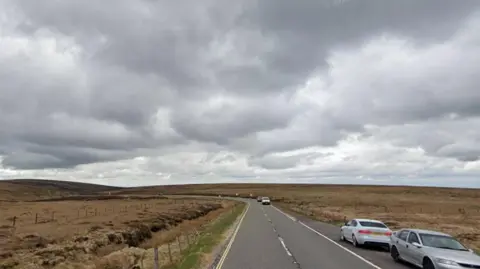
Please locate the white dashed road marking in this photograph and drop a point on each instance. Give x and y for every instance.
(284, 246)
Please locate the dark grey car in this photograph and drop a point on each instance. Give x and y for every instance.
(431, 250)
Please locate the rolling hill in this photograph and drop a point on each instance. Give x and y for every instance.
(29, 189)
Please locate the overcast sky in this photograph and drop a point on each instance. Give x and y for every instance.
(135, 92)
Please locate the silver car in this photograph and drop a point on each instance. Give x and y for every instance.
(431, 250)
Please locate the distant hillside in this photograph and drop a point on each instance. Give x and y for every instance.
(289, 190)
(26, 189)
(34, 189)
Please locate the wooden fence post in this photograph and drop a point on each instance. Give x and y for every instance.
(14, 221)
(170, 253)
(155, 254)
(36, 218)
(179, 244)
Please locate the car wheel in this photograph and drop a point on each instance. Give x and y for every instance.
(427, 264)
(395, 255)
(354, 241)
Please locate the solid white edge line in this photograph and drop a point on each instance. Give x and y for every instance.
(288, 216)
(344, 248)
(227, 250)
(331, 241)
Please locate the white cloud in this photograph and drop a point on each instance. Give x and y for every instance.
(232, 93)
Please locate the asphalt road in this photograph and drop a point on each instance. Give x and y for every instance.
(267, 238)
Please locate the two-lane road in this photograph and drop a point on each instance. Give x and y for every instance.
(270, 239)
(256, 245)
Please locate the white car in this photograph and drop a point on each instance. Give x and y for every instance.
(366, 232)
(265, 201)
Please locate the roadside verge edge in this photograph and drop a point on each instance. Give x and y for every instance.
(223, 249)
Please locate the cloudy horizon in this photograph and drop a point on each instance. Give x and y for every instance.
(141, 92)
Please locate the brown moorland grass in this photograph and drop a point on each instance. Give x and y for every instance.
(78, 232)
(452, 210)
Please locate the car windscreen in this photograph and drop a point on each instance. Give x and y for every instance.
(441, 241)
(372, 224)
(265, 198)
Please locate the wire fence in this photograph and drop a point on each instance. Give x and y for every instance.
(171, 252)
(66, 216)
(159, 250)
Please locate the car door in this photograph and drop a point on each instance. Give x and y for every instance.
(346, 229)
(352, 229)
(401, 244)
(415, 254)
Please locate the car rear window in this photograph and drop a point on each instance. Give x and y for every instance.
(372, 224)
(403, 235)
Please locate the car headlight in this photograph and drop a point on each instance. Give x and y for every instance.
(447, 262)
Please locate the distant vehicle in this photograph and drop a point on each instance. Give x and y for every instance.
(431, 250)
(259, 198)
(265, 201)
(366, 232)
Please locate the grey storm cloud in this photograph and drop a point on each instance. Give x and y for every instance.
(229, 120)
(87, 82)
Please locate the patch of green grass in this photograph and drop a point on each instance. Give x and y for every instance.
(210, 238)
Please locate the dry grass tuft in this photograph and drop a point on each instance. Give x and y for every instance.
(124, 259)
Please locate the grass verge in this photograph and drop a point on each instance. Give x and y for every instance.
(208, 240)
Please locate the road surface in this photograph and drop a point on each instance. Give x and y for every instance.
(267, 238)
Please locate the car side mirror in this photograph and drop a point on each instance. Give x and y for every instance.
(471, 250)
(416, 245)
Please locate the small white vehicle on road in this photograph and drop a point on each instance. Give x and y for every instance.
(431, 250)
(366, 232)
(265, 201)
